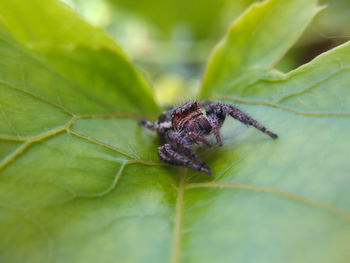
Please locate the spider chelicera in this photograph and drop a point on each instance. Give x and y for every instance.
(180, 127)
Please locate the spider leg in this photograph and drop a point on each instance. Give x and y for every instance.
(215, 125)
(196, 137)
(149, 125)
(204, 103)
(183, 146)
(220, 110)
(216, 117)
(244, 118)
(169, 155)
(161, 127)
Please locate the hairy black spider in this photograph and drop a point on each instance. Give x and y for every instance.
(180, 127)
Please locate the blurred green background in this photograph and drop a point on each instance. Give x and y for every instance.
(171, 40)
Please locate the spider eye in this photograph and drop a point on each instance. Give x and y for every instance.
(184, 111)
(191, 106)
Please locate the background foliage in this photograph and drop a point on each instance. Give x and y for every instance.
(80, 180)
(170, 40)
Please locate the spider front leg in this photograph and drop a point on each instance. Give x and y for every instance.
(216, 117)
(216, 113)
(244, 118)
(149, 125)
(161, 127)
(169, 155)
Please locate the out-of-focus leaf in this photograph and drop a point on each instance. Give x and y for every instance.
(200, 19)
(79, 54)
(256, 42)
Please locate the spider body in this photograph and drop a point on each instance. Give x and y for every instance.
(189, 118)
(183, 126)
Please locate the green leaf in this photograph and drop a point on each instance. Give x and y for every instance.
(200, 20)
(91, 73)
(275, 201)
(60, 77)
(256, 42)
(81, 181)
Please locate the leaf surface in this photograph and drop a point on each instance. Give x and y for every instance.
(284, 200)
(61, 83)
(81, 181)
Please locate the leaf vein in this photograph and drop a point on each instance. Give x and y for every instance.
(67, 127)
(314, 85)
(109, 188)
(288, 195)
(176, 247)
(38, 98)
(112, 148)
(314, 114)
(62, 77)
(11, 157)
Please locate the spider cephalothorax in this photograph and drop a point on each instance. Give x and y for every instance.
(180, 127)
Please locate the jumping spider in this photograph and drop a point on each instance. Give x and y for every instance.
(180, 127)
